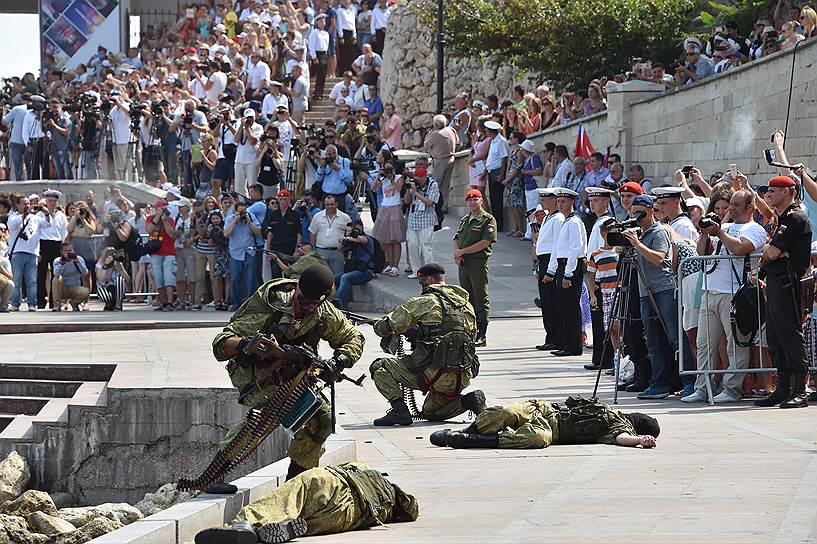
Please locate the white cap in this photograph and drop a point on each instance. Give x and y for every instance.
(695, 201)
(565, 192)
(249, 112)
(667, 192)
(598, 191)
(528, 146)
(175, 191)
(493, 125)
(220, 28)
(546, 191)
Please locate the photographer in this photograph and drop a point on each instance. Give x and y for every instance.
(358, 265)
(13, 119)
(654, 254)
(120, 125)
(57, 125)
(90, 133)
(51, 238)
(741, 237)
(298, 93)
(247, 137)
(368, 162)
(162, 227)
(287, 132)
(186, 235)
(309, 161)
(34, 137)
(334, 176)
(193, 123)
(111, 279)
(150, 138)
(225, 131)
(242, 228)
(306, 208)
(422, 195)
(269, 162)
(24, 227)
(211, 248)
(69, 269)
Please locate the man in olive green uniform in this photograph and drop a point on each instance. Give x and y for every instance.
(319, 501)
(293, 313)
(538, 424)
(473, 244)
(304, 257)
(440, 322)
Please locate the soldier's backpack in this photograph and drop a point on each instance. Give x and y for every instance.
(582, 420)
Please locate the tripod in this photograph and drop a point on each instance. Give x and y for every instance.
(131, 163)
(621, 312)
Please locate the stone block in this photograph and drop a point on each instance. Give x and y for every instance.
(141, 532)
(193, 516)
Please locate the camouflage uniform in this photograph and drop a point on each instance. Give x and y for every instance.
(538, 424)
(423, 369)
(304, 262)
(334, 500)
(270, 309)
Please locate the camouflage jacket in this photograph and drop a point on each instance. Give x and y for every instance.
(378, 500)
(426, 310)
(611, 421)
(304, 262)
(271, 305)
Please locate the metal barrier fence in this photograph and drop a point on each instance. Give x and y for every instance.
(737, 264)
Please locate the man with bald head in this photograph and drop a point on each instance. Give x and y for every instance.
(334, 175)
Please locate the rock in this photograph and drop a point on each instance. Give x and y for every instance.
(28, 502)
(14, 530)
(121, 512)
(96, 527)
(165, 497)
(49, 525)
(62, 500)
(14, 476)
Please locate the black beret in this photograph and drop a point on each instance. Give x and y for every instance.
(316, 282)
(431, 269)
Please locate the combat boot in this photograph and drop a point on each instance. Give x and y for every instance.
(398, 415)
(781, 392)
(294, 469)
(275, 533)
(240, 532)
(460, 440)
(482, 330)
(799, 396)
(438, 437)
(474, 402)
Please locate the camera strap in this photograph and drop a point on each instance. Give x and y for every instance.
(22, 228)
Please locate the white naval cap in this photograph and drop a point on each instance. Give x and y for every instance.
(546, 191)
(563, 191)
(598, 191)
(667, 192)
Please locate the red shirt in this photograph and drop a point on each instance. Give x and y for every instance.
(166, 238)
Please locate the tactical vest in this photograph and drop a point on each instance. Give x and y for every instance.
(583, 420)
(449, 346)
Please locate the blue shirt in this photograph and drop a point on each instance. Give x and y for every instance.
(363, 253)
(306, 218)
(15, 119)
(259, 210)
(242, 240)
(335, 182)
(374, 106)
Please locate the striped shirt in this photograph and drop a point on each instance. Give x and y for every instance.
(604, 263)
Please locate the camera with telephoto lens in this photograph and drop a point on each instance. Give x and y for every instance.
(49, 115)
(137, 110)
(156, 109)
(354, 233)
(362, 165)
(709, 220)
(187, 119)
(203, 67)
(72, 107)
(71, 256)
(117, 217)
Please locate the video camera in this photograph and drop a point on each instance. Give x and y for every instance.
(615, 232)
(362, 165)
(709, 220)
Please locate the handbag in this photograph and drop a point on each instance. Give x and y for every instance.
(748, 310)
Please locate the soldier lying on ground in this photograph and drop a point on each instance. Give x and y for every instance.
(441, 326)
(319, 501)
(538, 424)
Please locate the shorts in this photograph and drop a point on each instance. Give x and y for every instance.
(688, 294)
(164, 270)
(224, 170)
(185, 264)
(330, 52)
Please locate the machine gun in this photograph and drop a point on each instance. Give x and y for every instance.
(295, 401)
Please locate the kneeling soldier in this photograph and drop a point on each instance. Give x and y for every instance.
(441, 325)
(538, 424)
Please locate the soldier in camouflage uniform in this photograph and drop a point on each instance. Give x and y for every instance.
(320, 501)
(294, 313)
(538, 424)
(441, 325)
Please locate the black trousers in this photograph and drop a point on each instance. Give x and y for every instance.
(36, 146)
(49, 250)
(635, 340)
(319, 69)
(379, 41)
(497, 194)
(547, 299)
(599, 336)
(569, 315)
(348, 52)
(784, 326)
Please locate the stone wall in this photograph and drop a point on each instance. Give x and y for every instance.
(409, 76)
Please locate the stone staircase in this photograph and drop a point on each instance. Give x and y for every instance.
(321, 110)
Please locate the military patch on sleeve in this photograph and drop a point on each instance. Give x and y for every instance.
(490, 228)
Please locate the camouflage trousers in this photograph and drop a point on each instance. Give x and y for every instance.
(307, 445)
(442, 402)
(520, 425)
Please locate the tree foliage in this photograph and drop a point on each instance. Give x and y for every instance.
(568, 41)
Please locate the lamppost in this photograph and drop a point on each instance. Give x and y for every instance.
(440, 56)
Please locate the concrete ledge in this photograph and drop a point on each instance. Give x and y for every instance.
(80, 326)
(180, 523)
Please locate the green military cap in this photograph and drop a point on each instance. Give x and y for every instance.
(431, 269)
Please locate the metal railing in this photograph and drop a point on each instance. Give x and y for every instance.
(760, 338)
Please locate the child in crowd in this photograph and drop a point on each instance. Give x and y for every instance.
(602, 274)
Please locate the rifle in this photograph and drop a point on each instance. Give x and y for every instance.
(358, 319)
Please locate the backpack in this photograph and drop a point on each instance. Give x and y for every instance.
(748, 310)
(582, 420)
(379, 258)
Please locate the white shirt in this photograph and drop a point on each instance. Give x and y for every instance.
(685, 228)
(497, 152)
(196, 88)
(329, 231)
(57, 231)
(318, 42)
(31, 127)
(257, 74)
(380, 18)
(285, 134)
(347, 20)
(246, 12)
(120, 126)
(361, 95)
(562, 171)
(571, 244)
(271, 103)
(219, 80)
(546, 240)
(33, 224)
(227, 137)
(596, 241)
(245, 152)
(335, 93)
(391, 196)
(727, 275)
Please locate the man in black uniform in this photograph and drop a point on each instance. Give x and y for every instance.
(283, 230)
(785, 260)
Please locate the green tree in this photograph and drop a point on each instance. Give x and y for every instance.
(570, 42)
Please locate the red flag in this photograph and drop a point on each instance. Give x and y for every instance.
(583, 146)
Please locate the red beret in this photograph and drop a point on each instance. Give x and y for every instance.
(283, 192)
(631, 187)
(420, 172)
(473, 193)
(782, 181)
